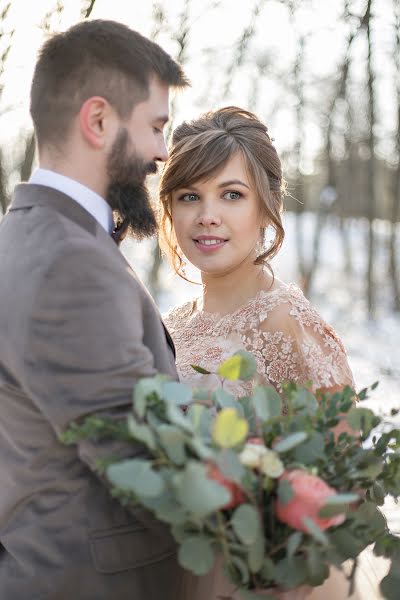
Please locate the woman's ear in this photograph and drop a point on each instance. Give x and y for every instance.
(93, 120)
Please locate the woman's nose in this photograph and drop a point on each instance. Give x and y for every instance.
(208, 218)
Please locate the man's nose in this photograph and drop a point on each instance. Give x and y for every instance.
(162, 152)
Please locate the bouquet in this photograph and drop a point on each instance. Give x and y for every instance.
(262, 481)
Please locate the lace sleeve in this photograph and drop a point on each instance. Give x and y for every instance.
(294, 343)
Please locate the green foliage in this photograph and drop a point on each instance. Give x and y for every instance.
(196, 554)
(196, 474)
(242, 365)
(137, 476)
(246, 524)
(197, 493)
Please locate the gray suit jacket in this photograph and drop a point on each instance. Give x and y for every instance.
(77, 329)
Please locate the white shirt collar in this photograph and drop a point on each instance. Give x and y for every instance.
(87, 198)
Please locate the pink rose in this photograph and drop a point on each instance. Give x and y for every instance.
(310, 494)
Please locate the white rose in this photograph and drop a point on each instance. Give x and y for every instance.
(271, 464)
(252, 454)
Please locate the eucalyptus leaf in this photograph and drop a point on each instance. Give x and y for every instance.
(311, 450)
(196, 555)
(199, 494)
(390, 585)
(293, 543)
(229, 428)
(347, 544)
(246, 523)
(136, 475)
(146, 388)
(267, 402)
(285, 491)
(173, 441)
(201, 419)
(291, 441)
(317, 568)
(230, 466)
(248, 365)
(200, 370)
(230, 368)
(315, 531)
(176, 416)
(141, 432)
(256, 553)
(225, 400)
(268, 569)
(166, 508)
(303, 400)
(241, 365)
(200, 394)
(177, 393)
(336, 499)
(291, 573)
(203, 451)
(360, 418)
(241, 569)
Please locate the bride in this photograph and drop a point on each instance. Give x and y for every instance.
(221, 195)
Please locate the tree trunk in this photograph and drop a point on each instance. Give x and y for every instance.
(394, 267)
(371, 206)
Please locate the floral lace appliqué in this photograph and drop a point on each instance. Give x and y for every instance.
(287, 336)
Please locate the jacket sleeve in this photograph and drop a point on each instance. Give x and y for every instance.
(84, 348)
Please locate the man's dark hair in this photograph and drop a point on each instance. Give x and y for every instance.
(95, 58)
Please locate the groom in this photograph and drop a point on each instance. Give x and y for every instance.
(77, 328)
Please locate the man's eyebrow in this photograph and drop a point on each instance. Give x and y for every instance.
(233, 182)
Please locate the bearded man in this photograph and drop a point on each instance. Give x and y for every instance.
(77, 327)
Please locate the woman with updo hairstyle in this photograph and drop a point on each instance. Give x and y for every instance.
(221, 197)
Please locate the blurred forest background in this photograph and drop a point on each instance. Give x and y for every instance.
(333, 86)
(325, 77)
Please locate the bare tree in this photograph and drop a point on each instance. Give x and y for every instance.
(242, 46)
(87, 8)
(50, 21)
(5, 43)
(371, 199)
(181, 37)
(394, 268)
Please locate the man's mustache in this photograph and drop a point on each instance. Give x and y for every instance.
(151, 168)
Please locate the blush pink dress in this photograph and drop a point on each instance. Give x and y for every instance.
(290, 341)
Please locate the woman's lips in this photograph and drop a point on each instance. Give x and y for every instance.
(209, 244)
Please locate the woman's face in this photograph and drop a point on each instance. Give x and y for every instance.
(217, 222)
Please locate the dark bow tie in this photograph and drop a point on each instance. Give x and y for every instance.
(120, 231)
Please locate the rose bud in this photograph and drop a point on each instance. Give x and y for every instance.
(309, 496)
(236, 493)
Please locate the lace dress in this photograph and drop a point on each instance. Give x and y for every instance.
(290, 341)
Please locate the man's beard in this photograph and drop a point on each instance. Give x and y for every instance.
(127, 193)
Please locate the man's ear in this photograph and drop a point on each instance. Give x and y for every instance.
(93, 119)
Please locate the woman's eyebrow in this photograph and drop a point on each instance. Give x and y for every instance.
(233, 182)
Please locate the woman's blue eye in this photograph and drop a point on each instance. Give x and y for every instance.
(232, 195)
(188, 197)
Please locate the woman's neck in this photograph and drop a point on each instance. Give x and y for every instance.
(228, 292)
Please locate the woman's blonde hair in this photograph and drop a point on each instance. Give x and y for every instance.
(200, 149)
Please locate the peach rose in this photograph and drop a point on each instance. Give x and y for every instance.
(310, 494)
